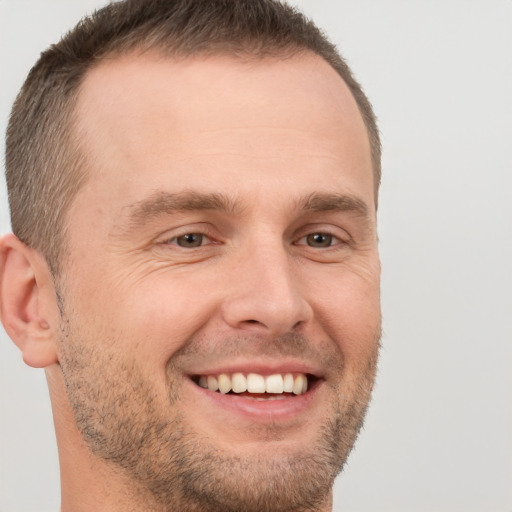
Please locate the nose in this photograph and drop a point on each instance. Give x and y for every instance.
(265, 294)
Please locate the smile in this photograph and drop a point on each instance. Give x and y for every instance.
(261, 386)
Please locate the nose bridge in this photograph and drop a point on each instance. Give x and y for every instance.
(266, 294)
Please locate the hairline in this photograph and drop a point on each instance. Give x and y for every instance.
(75, 153)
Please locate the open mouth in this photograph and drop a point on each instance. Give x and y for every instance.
(257, 386)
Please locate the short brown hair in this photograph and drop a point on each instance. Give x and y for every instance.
(44, 165)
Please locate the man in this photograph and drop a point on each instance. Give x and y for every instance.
(193, 191)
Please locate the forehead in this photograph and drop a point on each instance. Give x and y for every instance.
(147, 122)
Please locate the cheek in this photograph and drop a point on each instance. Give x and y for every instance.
(348, 309)
(160, 315)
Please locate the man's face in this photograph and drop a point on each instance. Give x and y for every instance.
(226, 234)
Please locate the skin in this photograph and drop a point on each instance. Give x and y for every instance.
(255, 157)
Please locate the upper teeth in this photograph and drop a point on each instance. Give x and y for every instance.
(256, 383)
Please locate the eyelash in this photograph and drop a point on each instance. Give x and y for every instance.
(203, 240)
(331, 239)
(328, 238)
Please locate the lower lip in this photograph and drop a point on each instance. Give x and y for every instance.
(283, 409)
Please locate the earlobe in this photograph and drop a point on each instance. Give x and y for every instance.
(25, 315)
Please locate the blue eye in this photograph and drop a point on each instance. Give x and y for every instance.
(319, 240)
(190, 240)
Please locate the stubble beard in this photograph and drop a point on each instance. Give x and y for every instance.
(167, 463)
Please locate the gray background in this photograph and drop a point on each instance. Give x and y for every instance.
(439, 433)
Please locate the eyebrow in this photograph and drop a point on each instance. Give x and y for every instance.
(325, 202)
(166, 203)
(161, 203)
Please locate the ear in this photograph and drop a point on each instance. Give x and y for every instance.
(26, 296)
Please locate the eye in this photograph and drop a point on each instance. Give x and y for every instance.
(319, 240)
(190, 240)
(329, 246)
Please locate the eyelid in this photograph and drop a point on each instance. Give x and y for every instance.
(206, 240)
(339, 234)
(303, 240)
(170, 236)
